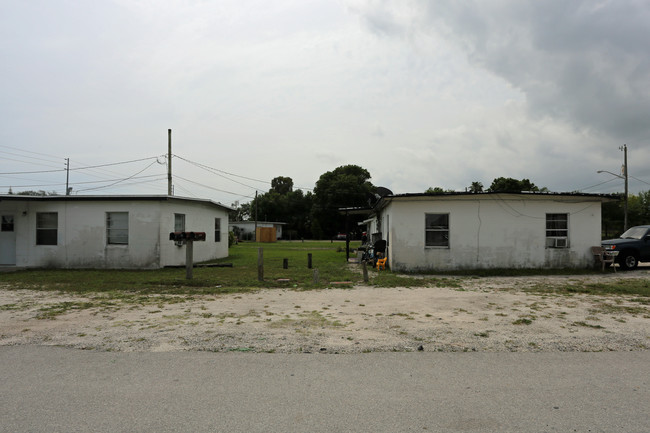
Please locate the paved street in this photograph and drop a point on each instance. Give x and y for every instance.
(54, 389)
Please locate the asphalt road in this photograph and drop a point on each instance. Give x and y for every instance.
(48, 389)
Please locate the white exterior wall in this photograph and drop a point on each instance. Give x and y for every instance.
(198, 218)
(81, 234)
(496, 231)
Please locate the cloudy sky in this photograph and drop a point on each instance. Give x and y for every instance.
(420, 93)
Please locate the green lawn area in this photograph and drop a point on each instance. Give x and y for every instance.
(328, 258)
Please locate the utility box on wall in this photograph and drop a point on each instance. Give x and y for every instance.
(266, 234)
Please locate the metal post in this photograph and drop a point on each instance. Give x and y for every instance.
(347, 237)
(260, 264)
(625, 174)
(285, 263)
(67, 176)
(189, 259)
(309, 260)
(255, 216)
(316, 277)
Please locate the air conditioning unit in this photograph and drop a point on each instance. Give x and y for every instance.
(560, 243)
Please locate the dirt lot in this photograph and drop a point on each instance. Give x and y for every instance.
(471, 314)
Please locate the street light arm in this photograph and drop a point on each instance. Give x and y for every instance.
(609, 172)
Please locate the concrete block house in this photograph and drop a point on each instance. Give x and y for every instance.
(452, 231)
(107, 232)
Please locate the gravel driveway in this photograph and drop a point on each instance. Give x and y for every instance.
(472, 314)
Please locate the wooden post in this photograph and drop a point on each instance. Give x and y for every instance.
(316, 278)
(285, 263)
(260, 264)
(308, 260)
(365, 272)
(170, 190)
(189, 259)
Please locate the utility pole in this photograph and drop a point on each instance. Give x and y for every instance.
(169, 162)
(623, 176)
(67, 176)
(624, 169)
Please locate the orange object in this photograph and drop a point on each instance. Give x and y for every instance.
(381, 264)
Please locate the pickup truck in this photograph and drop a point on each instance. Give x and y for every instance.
(632, 247)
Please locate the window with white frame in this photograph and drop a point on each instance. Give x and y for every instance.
(47, 228)
(117, 228)
(179, 222)
(217, 229)
(557, 230)
(436, 230)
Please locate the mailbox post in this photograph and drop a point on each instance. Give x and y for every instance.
(188, 239)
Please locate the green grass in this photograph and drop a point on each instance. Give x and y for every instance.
(329, 258)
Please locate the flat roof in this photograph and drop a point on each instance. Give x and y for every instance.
(15, 197)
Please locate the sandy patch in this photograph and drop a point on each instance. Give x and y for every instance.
(483, 314)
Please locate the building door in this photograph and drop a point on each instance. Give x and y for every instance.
(7, 240)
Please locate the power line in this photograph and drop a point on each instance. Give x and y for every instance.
(119, 181)
(640, 180)
(212, 169)
(84, 183)
(82, 168)
(212, 188)
(221, 173)
(598, 184)
(28, 151)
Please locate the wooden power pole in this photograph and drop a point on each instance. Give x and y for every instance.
(169, 162)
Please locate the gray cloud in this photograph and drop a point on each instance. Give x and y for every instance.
(584, 62)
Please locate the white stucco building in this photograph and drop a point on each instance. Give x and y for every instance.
(130, 232)
(451, 231)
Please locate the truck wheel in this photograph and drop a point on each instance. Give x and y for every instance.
(628, 260)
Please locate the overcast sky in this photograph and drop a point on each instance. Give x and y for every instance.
(420, 93)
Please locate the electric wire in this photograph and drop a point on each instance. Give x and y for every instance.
(119, 181)
(82, 168)
(206, 167)
(212, 188)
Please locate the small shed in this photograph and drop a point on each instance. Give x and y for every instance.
(249, 230)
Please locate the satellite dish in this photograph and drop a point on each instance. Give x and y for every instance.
(383, 192)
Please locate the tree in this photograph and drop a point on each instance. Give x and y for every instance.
(508, 184)
(612, 214)
(282, 204)
(282, 185)
(39, 192)
(345, 186)
(476, 187)
(434, 190)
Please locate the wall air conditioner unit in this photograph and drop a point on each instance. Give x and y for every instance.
(560, 243)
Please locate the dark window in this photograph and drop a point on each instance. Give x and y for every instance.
(7, 223)
(217, 229)
(47, 224)
(436, 230)
(117, 228)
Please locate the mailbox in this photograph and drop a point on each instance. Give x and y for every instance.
(187, 236)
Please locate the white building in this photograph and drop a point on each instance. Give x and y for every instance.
(452, 231)
(107, 231)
